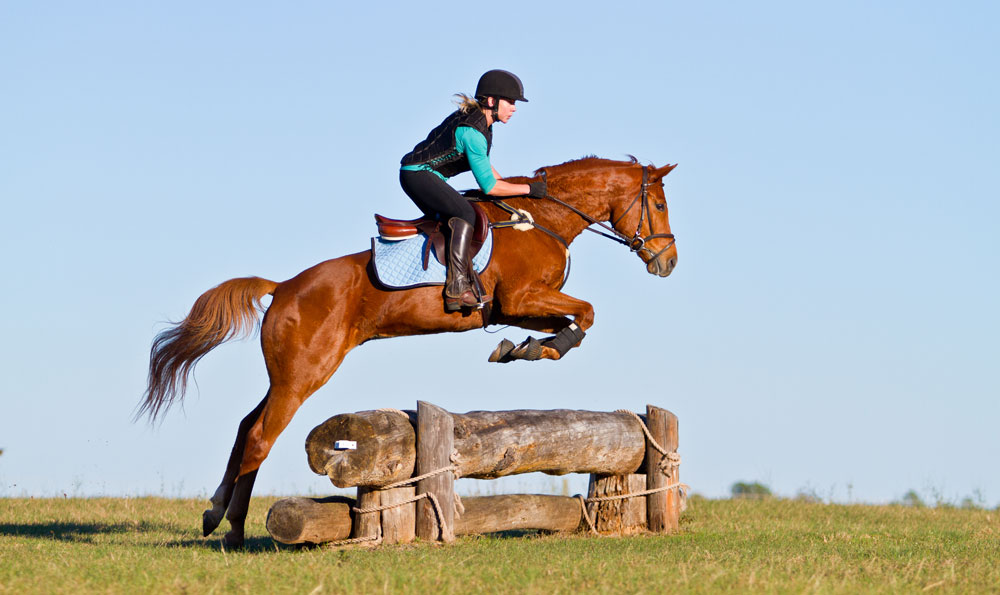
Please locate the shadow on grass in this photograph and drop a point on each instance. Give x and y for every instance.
(264, 544)
(62, 531)
(164, 535)
(252, 545)
(518, 534)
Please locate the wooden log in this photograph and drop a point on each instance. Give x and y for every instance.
(435, 442)
(309, 520)
(385, 448)
(368, 524)
(625, 516)
(492, 444)
(398, 523)
(497, 443)
(663, 508)
(489, 514)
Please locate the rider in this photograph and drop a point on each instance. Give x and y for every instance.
(459, 144)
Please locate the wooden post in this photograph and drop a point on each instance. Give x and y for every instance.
(398, 523)
(367, 524)
(435, 442)
(625, 516)
(674, 499)
(663, 508)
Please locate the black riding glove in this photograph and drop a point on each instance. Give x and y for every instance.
(538, 189)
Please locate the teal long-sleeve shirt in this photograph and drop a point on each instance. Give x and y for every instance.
(471, 143)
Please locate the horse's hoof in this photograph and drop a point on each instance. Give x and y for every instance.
(502, 351)
(530, 350)
(232, 541)
(210, 522)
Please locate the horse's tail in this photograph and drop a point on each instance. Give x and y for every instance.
(226, 311)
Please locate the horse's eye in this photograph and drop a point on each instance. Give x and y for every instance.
(660, 206)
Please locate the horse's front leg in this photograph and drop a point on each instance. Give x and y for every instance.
(543, 309)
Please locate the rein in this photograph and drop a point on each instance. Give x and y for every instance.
(637, 243)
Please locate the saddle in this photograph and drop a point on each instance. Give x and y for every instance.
(395, 230)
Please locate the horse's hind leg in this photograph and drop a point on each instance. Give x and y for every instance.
(309, 328)
(211, 518)
(278, 410)
(238, 508)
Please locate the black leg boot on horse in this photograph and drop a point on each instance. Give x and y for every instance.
(458, 287)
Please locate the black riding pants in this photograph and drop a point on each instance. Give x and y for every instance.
(435, 197)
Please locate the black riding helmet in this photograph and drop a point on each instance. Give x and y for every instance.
(500, 84)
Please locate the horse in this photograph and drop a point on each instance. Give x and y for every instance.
(315, 318)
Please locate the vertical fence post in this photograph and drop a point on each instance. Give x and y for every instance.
(367, 524)
(625, 516)
(663, 508)
(435, 442)
(618, 517)
(398, 523)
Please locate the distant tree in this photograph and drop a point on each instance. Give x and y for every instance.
(974, 502)
(970, 504)
(912, 498)
(808, 495)
(754, 491)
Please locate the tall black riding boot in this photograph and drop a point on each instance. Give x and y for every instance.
(457, 289)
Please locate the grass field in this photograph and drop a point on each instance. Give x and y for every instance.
(153, 544)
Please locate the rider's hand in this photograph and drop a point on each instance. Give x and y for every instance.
(538, 189)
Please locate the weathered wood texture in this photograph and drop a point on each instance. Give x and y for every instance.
(368, 524)
(435, 442)
(663, 508)
(304, 520)
(625, 516)
(489, 514)
(308, 520)
(497, 443)
(490, 444)
(385, 452)
(398, 523)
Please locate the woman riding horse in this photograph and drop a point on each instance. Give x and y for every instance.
(459, 144)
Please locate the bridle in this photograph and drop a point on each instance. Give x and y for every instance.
(637, 243)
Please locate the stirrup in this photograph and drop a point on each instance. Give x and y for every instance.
(478, 289)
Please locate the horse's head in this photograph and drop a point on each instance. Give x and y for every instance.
(641, 213)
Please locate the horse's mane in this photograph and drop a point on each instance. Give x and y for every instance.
(586, 162)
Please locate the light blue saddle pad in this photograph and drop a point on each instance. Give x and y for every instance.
(399, 265)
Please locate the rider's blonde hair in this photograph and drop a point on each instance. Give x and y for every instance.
(465, 103)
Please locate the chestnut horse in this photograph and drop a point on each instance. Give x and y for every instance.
(318, 316)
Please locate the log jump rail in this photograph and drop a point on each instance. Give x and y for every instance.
(404, 465)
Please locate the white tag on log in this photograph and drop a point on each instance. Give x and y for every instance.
(345, 445)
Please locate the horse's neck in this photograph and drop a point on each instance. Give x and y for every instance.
(584, 197)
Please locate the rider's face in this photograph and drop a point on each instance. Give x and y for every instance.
(505, 110)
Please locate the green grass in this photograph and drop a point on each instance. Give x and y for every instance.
(153, 544)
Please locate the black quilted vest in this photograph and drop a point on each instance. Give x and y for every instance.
(438, 149)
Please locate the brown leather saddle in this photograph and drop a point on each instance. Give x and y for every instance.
(394, 230)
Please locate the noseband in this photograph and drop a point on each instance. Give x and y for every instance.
(637, 243)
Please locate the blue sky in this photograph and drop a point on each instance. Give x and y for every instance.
(831, 326)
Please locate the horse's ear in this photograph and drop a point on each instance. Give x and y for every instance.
(658, 174)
